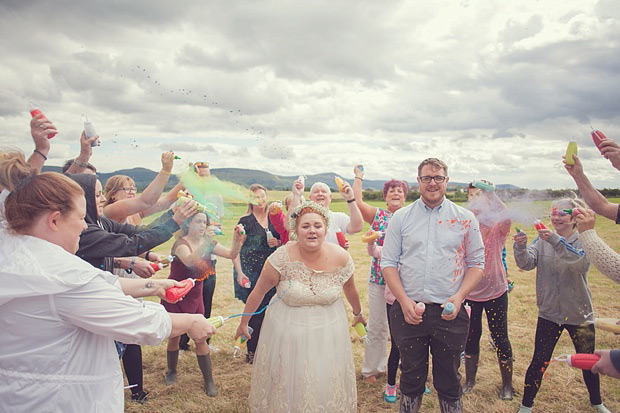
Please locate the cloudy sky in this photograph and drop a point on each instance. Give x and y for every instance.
(494, 88)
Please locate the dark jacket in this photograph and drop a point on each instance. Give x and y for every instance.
(105, 238)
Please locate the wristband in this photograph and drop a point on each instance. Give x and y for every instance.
(82, 164)
(350, 200)
(165, 172)
(146, 256)
(40, 153)
(130, 270)
(358, 314)
(360, 178)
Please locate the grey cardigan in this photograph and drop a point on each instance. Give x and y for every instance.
(562, 293)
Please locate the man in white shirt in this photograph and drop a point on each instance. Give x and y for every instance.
(338, 221)
(433, 253)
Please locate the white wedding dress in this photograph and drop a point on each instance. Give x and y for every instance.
(304, 361)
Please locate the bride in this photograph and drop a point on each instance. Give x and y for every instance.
(304, 360)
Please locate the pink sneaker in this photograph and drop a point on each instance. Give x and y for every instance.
(389, 394)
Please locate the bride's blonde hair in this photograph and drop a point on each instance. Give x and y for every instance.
(306, 207)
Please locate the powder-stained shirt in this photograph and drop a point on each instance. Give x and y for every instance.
(434, 247)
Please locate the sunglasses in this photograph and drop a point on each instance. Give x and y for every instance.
(201, 164)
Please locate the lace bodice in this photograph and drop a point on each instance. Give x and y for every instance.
(303, 286)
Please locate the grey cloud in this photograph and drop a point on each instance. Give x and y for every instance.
(514, 31)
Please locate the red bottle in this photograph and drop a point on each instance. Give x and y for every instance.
(245, 282)
(598, 137)
(175, 293)
(539, 225)
(156, 266)
(34, 111)
(342, 241)
(581, 361)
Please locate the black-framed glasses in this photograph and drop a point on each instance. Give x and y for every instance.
(438, 179)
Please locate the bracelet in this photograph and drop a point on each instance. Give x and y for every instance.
(40, 153)
(358, 314)
(130, 270)
(82, 164)
(146, 256)
(350, 200)
(165, 172)
(357, 177)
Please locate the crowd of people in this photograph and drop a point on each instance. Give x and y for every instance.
(76, 261)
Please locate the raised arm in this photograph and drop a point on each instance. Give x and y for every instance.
(233, 251)
(356, 222)
(368, 211)
(121, 209)
(593, 198)
(40, 128)
(80, 163)
(164, 201)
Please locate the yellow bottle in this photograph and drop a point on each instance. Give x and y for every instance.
(361, 330)
(607, 324)
(339, 183)
(370, 237)
(216, 321)
(571, 150)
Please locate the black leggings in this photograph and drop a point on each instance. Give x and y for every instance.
(132, 363)
(394, 357)
(547, 335)
(497, 318)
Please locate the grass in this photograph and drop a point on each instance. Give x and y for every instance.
(562, 389)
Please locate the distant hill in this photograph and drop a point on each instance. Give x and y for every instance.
(246, 177)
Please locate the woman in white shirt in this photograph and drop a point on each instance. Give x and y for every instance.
(59, 316)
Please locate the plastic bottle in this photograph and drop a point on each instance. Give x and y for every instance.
(216, 321)
(573, 211)
(539, 225)
(448, 308)
(484, 186)
(34, 111)
(518, 229)
(420, 308)
(175, 293)
(240, 342)
(199, 206)
(510, 286)
(277, 208)
(245, 282)
(339, 183)
(371, 237)
(342, 241)
(580, 360)
(361, 330)
(571, 150)
(607, 324)
(598, 137)
(269, 234)
(167, 260)
(89, 132)
(156, 265)
(216, 230)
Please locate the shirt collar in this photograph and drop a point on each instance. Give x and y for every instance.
(437, 208)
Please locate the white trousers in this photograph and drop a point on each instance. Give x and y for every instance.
(375, 347)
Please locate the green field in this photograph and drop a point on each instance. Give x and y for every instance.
(562, 389)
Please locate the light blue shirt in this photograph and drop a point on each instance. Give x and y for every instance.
(432, 249)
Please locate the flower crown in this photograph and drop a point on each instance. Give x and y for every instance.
(296, 213)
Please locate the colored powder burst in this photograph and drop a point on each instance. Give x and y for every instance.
(203, 188)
